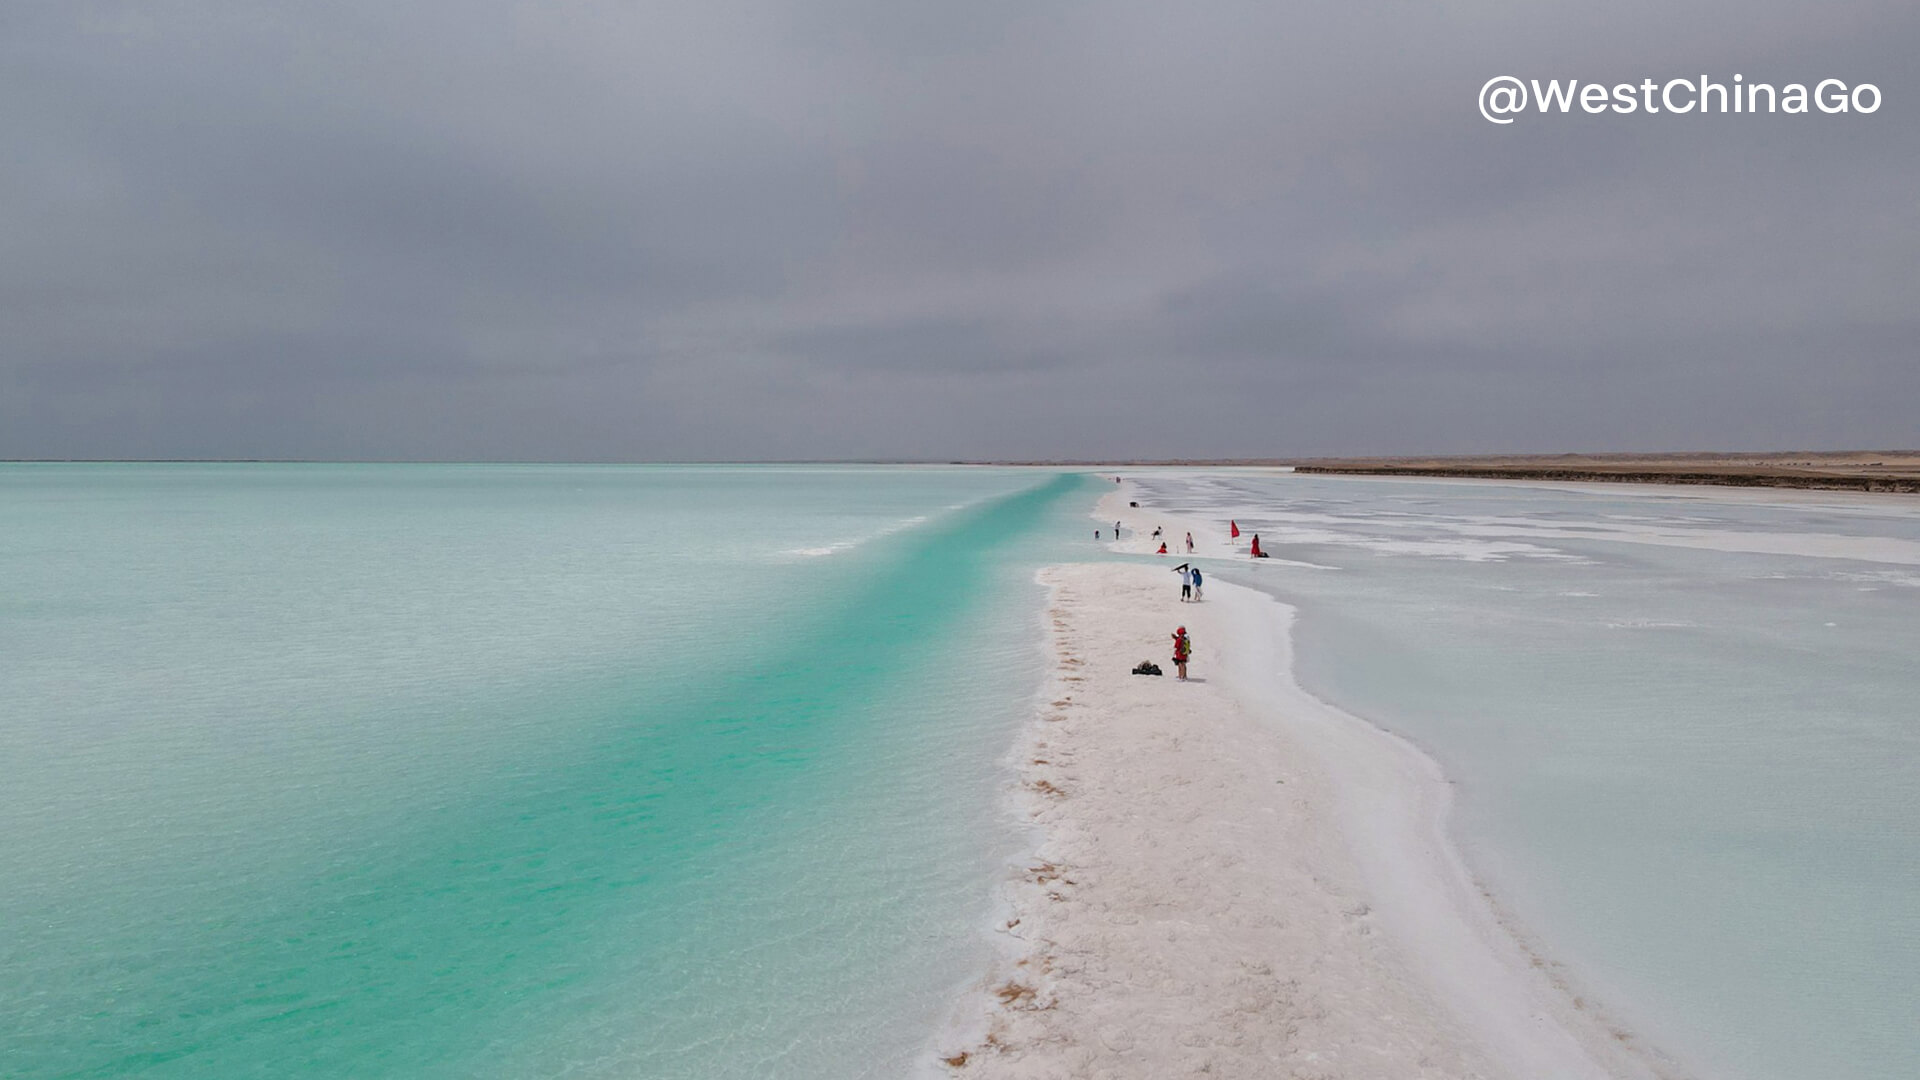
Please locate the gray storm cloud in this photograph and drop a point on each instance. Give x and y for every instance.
(608, 231)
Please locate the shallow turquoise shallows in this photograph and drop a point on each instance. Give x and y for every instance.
(511, 771)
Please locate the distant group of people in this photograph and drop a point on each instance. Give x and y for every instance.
(1163, 543)
(1158, 534)
(1253, 552)
(1191, 582)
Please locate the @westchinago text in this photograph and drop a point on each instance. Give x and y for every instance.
(1505, 96)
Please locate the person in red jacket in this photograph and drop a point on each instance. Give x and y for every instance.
(1182, 651)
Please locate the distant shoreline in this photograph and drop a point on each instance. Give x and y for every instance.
(1892, 485)
(1877, 471)
(1872, 471)
(1892, 471)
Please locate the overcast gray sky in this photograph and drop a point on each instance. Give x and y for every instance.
(719, 230)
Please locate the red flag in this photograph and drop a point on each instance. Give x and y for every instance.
(1235, 526)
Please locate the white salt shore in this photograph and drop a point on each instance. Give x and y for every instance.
(1236, 880)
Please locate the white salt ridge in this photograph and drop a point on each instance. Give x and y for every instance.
(1236, 878)
(1216, 857)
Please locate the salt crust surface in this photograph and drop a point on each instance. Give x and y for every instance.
(1235, 880)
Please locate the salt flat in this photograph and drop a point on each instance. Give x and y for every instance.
(1198, 907)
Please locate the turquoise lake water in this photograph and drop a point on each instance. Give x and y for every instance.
(1684, 725)
(516, 771)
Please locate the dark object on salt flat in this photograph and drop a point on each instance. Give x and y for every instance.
(1146, 667)
(1135, 505)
